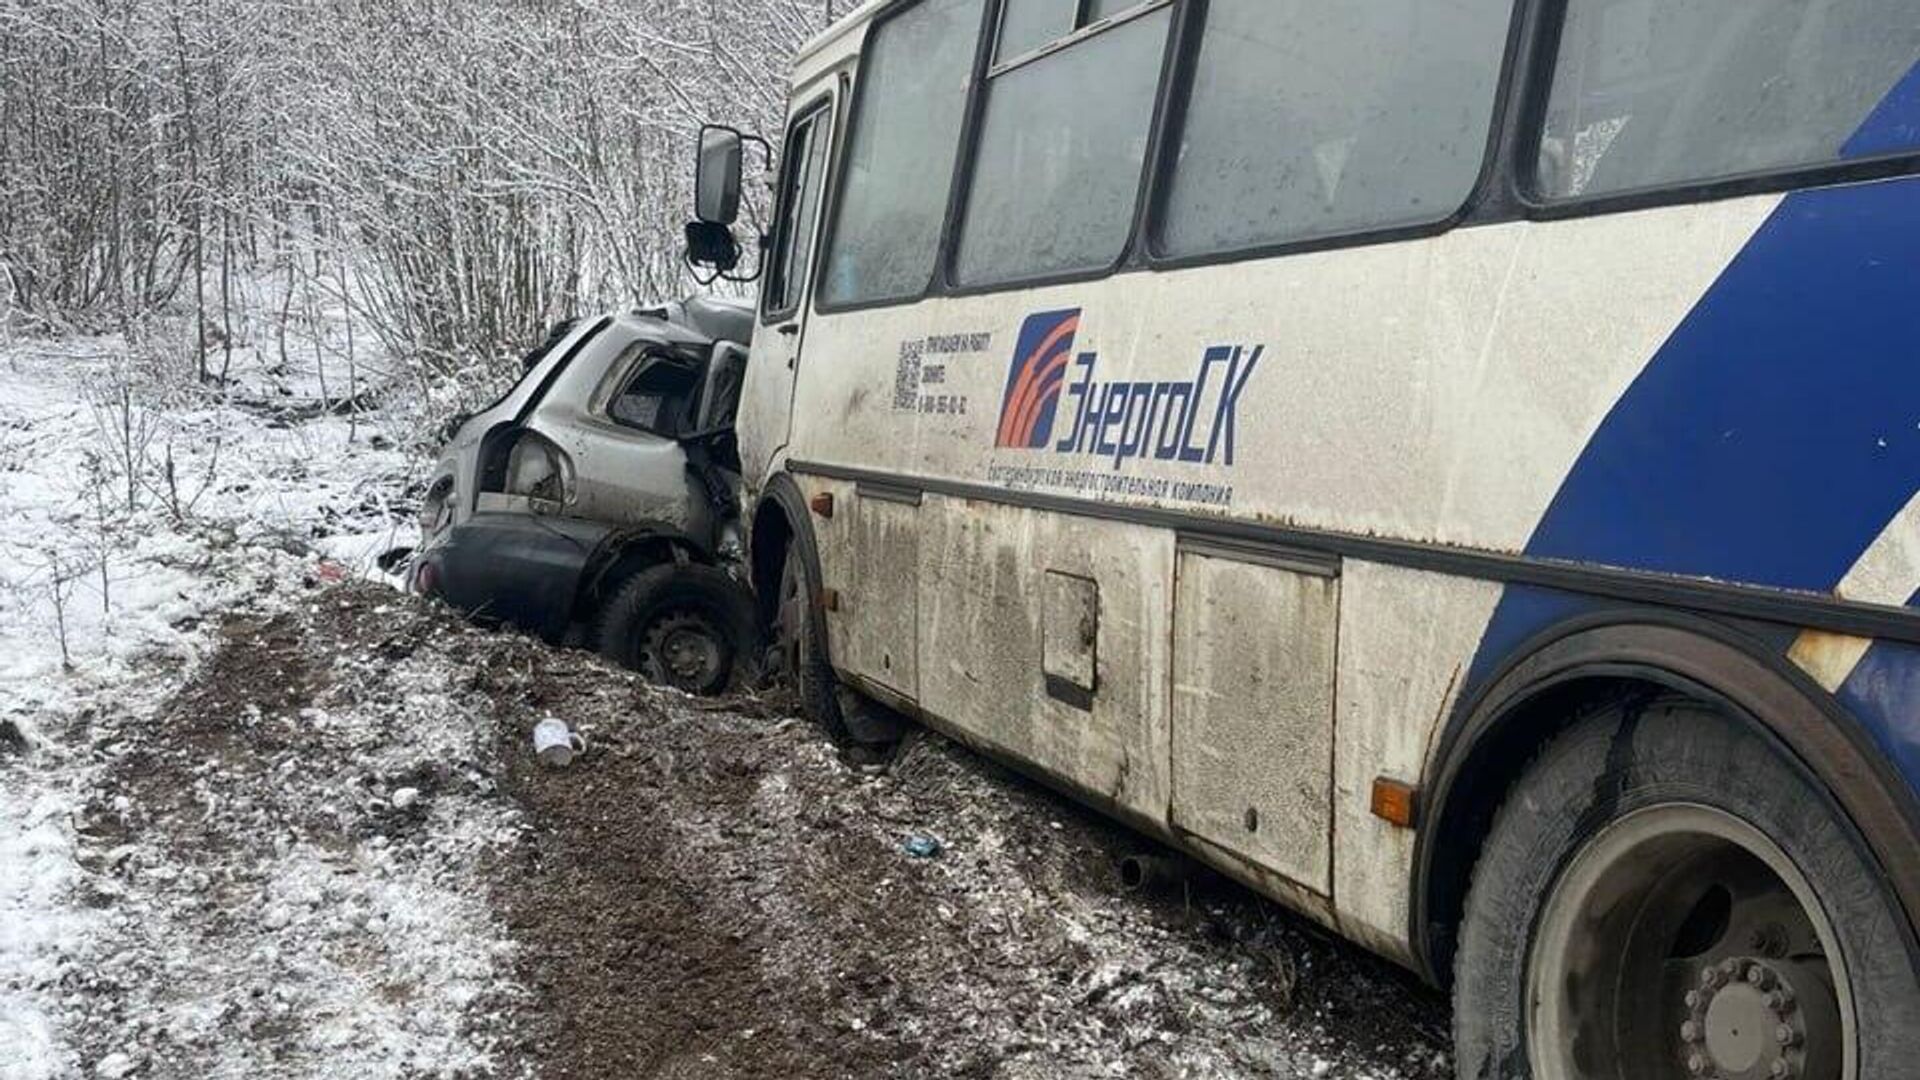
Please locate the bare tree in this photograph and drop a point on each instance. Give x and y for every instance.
(454, 174)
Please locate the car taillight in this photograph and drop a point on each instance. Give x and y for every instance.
(537, 469)
(436, 510)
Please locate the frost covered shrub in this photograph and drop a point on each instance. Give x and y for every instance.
(453, 173)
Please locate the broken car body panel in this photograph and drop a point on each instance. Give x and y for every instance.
(618, 434)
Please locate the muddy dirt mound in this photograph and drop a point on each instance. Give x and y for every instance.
(712, 891)
(285, 854)
(334, 845)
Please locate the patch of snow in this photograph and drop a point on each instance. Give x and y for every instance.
(133, 510)
(40, 932)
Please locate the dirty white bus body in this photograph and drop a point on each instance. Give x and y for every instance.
(1450, 464)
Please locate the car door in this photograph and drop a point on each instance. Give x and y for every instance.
(766, 404)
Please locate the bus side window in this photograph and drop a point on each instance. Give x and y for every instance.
(1057, 172)
(1649, 94)
(899, 159)
(1025, 25)
(1095, 10)
(1308, 119)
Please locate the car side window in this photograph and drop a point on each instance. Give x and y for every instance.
(1649, 94)
(656, 396)
(637, 406)
(800, 187)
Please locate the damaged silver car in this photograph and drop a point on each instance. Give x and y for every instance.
(596, 502)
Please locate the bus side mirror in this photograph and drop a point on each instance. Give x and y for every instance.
(711, 246)
(712, 252)
(716, 181)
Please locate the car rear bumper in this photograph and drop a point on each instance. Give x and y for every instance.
(522, 570)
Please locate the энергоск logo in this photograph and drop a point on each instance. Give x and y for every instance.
(1119, 420)
(1033, 385)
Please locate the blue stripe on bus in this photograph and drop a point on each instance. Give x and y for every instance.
(1524, 611)
(1777, 432)
(1771, 439)
(1894, 126)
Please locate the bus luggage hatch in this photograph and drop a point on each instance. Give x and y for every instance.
(884, 587)
(1253, 691)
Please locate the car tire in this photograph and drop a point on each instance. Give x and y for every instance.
(685, 626)
(1653, 882)
(800, 636)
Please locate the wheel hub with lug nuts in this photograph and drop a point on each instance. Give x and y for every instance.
(685, 648)
(1682, 944)
(1744, 1022)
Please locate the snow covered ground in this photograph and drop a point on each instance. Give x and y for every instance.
(134, 507)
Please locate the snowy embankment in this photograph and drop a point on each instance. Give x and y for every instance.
(135, 507)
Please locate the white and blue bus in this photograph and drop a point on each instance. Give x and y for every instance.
(1449, 464)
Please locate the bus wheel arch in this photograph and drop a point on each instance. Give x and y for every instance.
(1599, 664)
(786, 568)
(777, 519)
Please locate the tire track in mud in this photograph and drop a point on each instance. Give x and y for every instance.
(272, 904)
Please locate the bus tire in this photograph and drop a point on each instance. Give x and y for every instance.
(1669, 851)
(800, 638)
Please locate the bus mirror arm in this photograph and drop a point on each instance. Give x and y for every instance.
(712, 254)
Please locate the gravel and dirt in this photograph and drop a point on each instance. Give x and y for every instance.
(709, 891)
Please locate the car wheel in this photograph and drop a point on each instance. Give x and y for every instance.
(800, 636)
(684, 626)
(1665, 895)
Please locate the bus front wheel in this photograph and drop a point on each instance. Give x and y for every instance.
(1665, 895)
(800, 637)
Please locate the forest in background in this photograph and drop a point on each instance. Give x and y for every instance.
(450, 175)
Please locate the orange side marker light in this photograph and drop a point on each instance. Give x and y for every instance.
(1395, 802)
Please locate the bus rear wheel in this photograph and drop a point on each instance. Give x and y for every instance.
(1666, 895)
